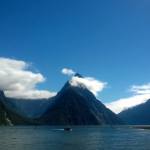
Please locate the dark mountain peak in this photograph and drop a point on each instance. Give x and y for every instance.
(68, 85)
(68, 88)
(76, 105)
(78, 75)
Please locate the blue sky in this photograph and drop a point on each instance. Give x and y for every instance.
(107, 40)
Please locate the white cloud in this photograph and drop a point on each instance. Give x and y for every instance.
(16, 80)
(124, 103)
(141, 89)
(141, 93)
(95, 86)
(90, 83)
(67, 71)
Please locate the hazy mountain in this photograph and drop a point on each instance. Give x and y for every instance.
(28, 107)
(23, 111)
(138, 115)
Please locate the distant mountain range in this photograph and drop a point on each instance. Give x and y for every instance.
(138, 115)
(73, 105)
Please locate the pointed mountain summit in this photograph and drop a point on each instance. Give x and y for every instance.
(75, 105)
(78, 75)
(68, 84)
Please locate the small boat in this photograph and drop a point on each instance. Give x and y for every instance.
(67, 129)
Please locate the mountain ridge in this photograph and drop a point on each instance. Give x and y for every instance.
(81, 108)
(137, 115)
(73, 105)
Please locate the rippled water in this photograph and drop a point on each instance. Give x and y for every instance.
(81, 138)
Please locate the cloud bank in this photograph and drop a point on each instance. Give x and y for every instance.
(16, 80)
(95, 86)
(141, 89)
(141, 93)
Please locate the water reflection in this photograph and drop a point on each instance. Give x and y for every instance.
(81, 138)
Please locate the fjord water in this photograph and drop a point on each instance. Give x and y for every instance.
(80, 138)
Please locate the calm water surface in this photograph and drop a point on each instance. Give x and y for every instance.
(81, 138)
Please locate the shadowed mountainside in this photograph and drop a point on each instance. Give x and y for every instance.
(78, 106)
(73, 105)
(138, 115)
